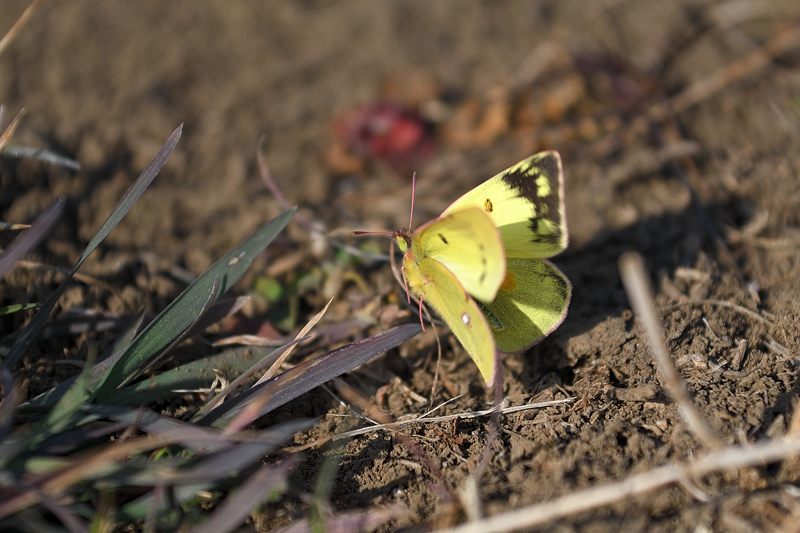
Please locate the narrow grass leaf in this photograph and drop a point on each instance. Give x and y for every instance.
(193, 436)
(267, 482)
(182, 312)
(196, 375)
(28, 239)
(69, 404)
(131, 195)
(41, 154)
(16, 308)
(9, 401)
(309, 374)
(162, 333)
(98, 372)
(31, 331)
(268, 359)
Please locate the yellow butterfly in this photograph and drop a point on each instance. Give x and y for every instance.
(481, 265)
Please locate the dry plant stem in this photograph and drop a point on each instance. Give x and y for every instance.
(781, 42)
(250, 412)
(639, 292)
(271, 371)
(577, 502)
(709, 85)
(11, 34)
(12, 127)
(493, 427)
(444, 418)
(722, 303)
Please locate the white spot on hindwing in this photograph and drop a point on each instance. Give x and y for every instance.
(465, 319)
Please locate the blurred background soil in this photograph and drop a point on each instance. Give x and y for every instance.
(704, 185)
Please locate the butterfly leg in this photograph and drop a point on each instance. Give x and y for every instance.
(405, 285)
(421, 322)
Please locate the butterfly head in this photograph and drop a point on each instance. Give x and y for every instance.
(403, 240)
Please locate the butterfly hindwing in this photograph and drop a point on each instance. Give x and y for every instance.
(531, 303)
(526, 203)
(439, 289)
(468, 244)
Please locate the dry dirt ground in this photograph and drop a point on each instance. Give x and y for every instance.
(709, 196)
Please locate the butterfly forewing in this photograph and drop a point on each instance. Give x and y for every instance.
(526, 203)
(439, 289)
(468, 244)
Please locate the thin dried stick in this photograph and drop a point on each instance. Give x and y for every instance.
(577, 502)
(11, 34)
(700, 90)
(250, 412)
(272, 370)
(444, 418)
(640, 294)
(722, 303)
(10, 129)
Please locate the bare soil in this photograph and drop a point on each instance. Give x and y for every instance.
(718, 223)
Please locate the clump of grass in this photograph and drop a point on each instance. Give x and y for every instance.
(94, 452)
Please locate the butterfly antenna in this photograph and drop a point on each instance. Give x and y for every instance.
(413, 194)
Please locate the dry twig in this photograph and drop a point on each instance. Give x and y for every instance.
(639, 292)
(444, 418)
(12, 33)
(729, 458)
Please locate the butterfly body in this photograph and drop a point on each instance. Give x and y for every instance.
(449, 261)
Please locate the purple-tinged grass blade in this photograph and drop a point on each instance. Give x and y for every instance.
(131, 195)
(308, 375)
(268, 481)
(28, 239)
(31, 331)
(71, 522)
(89, 432)
(192, 436)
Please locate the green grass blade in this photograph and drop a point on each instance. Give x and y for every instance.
(182, 312)
(98, 372)
(33, 328)
(67, 406)
(131, 195)
(16, 308)
(191, 376)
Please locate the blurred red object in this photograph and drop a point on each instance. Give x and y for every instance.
(387, 132)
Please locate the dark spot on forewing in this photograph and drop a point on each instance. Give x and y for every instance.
(443, 238)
